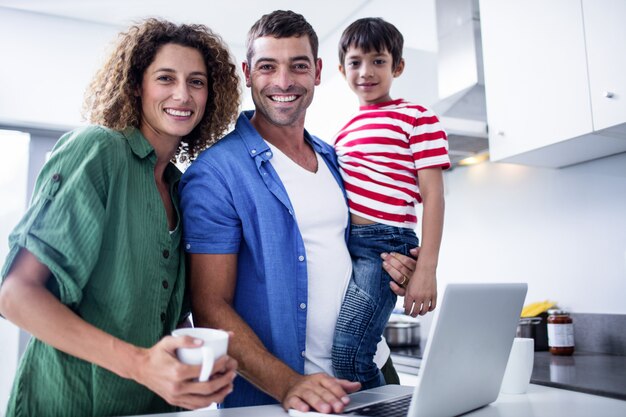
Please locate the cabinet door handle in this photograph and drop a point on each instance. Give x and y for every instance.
(609, 94)
(500, 133)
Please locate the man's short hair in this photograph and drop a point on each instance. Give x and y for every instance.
(372, 33)
(281, 24)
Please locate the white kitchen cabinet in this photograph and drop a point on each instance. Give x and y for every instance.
(605, 35)
(540, 80)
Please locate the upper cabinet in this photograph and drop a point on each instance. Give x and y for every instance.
(554, 79)
(605, 36)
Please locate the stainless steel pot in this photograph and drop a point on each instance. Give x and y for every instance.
(402, 333)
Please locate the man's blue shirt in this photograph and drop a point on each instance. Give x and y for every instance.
(234, 202)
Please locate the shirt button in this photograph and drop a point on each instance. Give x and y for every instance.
(301, 258)
(253, 151)
(165, 284)
(302, 354)
(166, 254)
(162, 316)
(56, 177)
(268, 154)
(188, 246)
(302, 306)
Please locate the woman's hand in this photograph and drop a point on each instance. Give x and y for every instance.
(159, 369)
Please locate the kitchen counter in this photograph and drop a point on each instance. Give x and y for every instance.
(582, 385)
(591, 373)
(539, 401)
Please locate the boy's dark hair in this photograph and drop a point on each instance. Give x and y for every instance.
(281, 24)
(372, 33)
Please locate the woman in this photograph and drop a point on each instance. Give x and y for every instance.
(95, 270)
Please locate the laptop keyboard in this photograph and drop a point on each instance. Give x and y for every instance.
(398, 407)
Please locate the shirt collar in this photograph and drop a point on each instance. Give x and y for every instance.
(140, 146)
(255, 144)
(137, 142)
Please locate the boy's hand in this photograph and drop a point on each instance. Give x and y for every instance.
(421, 292)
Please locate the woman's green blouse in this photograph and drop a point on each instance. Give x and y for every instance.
(97, 221)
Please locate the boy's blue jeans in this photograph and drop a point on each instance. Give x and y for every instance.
(368, 303)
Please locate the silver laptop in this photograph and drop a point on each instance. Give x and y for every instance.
(464, 360)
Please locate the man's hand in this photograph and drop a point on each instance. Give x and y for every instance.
(318, 392)
(417, 285)
(400, 268)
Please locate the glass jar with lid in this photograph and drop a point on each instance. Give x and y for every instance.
(560, 333)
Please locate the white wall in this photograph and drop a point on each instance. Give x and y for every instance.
(46, 65)
(561, 230)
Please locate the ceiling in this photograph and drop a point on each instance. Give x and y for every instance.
(232, 19)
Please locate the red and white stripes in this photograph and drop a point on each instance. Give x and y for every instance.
(380, 151)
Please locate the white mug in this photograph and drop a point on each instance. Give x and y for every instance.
(519, 367)
(215, 345)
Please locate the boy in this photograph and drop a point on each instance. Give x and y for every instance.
(391, 155)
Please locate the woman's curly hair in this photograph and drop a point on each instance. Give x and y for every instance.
(112, 101)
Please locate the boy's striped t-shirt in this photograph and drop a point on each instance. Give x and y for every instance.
(380, 150)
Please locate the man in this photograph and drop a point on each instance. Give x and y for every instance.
(265, 222)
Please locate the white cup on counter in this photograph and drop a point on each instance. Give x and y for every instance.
(215, 345)
(519, 367)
